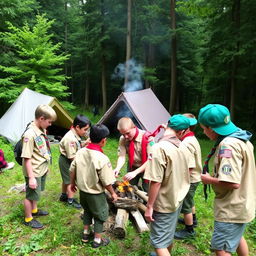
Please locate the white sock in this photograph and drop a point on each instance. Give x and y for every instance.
(97, 239)
(86, 231)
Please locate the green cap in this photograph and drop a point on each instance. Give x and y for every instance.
(192, 121)
(178, 122)
(217, 117)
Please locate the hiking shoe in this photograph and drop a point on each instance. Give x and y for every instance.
(63, 198)
(103, 242)
(9, 166)
(34, 224)
(40, 213)
(181, 221)
(184, 234)
(86, 237)
(74, 203)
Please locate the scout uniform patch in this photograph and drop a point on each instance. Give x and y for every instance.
(225, 152)
(226, 169)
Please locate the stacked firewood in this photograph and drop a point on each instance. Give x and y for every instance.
(131, 202)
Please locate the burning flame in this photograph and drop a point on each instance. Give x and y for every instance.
(125, 185)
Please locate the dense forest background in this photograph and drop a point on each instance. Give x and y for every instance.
(86, 52)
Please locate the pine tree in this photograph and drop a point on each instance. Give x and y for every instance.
(35, 61)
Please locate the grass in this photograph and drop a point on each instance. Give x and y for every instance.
(63, 226)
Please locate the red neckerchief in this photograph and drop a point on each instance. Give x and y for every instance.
(94, 147)
(131, 148)
(189, 134)
(144, 143)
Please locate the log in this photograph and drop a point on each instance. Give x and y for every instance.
(139, 221)
(126, 203)
(141, 194)
(142, 207)
(121, 221)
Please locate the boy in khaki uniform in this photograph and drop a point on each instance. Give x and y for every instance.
(92, 173)
(130, 143)
(188, 138)
(69, 145)
(233, 180)
(36, 156)
(168, 172)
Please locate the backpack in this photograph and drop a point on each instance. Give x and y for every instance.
(18, 148)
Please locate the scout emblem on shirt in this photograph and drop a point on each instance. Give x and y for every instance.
(225, 152)
(42, 148)
(226, 169)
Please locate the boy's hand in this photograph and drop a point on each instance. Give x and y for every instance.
(116, 172)
(32, 183)
(130, 175)
(114, 197)
(149, 214)
(73, 187)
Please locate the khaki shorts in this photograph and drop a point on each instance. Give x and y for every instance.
(35, 194)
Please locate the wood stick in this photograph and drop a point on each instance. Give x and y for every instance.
(140, 193)
(142, 207)
(126, 203)
(139, 221)
(121, 221)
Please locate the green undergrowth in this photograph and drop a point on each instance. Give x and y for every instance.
(63, 227)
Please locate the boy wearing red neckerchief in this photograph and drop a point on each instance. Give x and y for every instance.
(92, 173)
(131, 144)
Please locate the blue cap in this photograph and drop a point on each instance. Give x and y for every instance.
(178, 122)
(217, 117)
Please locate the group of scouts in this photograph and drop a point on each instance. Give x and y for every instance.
(168, 169)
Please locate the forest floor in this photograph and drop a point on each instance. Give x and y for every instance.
(63, 227)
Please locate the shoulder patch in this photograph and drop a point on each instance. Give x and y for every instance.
(225, 153)
(226, 169)
(72, 144)
(26, 139)
(109, 165)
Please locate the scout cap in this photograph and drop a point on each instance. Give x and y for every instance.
(192, 121)
(217, 117)
(178, 122)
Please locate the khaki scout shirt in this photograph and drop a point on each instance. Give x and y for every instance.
(70, 144)
(34, 147)
(123, 148)
(93, 171)
(193, 146)
(234, 162)
(169, 165)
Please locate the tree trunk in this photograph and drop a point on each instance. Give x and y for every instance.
(103, 64)
(128, 40)
(173, 91)
(235, 61)
(66, 39)
(87, 84)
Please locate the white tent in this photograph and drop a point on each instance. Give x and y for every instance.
(22, 111)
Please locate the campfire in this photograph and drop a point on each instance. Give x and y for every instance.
(131, 202)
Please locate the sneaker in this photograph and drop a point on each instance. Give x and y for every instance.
(40, 213)
(152, 254)
(9, 166)
(34, 224)
(74, 203)
(184, 234)
(181, 221)
(86, 237)
(103, 242)
(63, 198)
